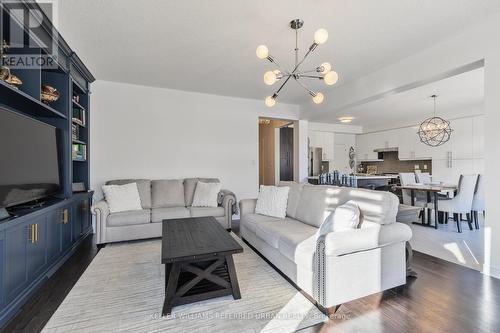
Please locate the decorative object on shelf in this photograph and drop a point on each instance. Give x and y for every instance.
(49, 94)
(435, 131)
(4, 73)
(78, 187)
(79, 152)
(76, 98)
(352, 155)
(14, 81)
(79, 116)
(322, 72)
(74, 132)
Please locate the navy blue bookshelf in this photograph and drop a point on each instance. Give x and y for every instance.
(62, 223)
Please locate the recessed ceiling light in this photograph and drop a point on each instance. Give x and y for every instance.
(346, 119)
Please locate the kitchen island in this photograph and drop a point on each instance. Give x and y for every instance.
(364, 180)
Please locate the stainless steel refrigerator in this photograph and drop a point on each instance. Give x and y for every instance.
(315, 159)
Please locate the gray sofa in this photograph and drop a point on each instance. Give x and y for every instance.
(341, 266)
(160, 199)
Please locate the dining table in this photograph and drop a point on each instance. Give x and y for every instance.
(432, 191)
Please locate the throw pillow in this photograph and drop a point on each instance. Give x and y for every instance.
(121, 198)
(344, 217)
(205, 194)
(272, 201)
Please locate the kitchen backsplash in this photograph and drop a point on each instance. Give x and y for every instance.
(392, 164)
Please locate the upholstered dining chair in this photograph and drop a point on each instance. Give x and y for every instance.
(478, 202)
(461, 203)
(408, 178)
(423, 177)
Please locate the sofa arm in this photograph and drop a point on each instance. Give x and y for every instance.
(371, 235)
(101, 211)
(227, 200)
(247, 206)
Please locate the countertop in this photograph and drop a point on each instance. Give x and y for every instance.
(365, 177)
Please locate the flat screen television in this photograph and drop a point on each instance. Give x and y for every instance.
(29, 160)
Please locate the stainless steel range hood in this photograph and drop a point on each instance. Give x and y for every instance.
(386, 150)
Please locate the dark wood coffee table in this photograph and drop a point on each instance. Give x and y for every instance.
(198, 257)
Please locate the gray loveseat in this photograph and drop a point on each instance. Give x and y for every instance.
(341, 266)
(160, 199)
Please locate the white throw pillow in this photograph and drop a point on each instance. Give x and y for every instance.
(344, 217)
(272, 201)
(121, 198)
(206, 194)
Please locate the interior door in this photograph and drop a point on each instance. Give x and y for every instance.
(286, 154)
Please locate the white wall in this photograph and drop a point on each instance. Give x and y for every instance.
(145, 132)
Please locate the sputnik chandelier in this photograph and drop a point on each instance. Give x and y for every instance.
(322, 72)
(435, 131)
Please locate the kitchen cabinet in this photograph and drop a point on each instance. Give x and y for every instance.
(366, 144)
(478, 136)
(325, 140)
(461, 138)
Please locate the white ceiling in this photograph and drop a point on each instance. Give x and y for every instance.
(209, 46)
(458, 96)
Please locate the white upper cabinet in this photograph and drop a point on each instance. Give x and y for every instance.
(478, 136)
(325, 140)
(462, 145)
(366, 143)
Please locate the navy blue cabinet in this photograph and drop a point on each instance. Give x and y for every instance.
(16, 257)
(32, 246)
(36, 247)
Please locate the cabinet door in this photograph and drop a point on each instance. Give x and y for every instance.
(478, 136)
(37, 249)
(87, 217)
(16, 254)
(66, 236)
(330, 145)
(462, 138)
(54, 229)
(76, 220)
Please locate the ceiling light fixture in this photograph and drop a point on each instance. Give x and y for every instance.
(322, 72)
(346, 119)
(434, 131)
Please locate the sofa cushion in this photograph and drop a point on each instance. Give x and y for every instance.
(143, 185)
(207, 211)
(252, 220)
(292, 237)
(272, 201)
(190, 187)
(131, 217)
(122, 198)
(344, 217)
(316, 202)
(160, 214)
(206, 194)
(167, 193)
(293, 197)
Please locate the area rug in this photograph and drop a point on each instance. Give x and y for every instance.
(122, 290)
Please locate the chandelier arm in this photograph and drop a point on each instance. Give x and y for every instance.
(311, 76)
(312, 93)
(282, 85)
(303, 59)
(275, 62)
(308, 71)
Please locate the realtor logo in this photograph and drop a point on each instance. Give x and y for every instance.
(26, 43)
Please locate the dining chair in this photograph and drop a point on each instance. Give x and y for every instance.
(423, 177)
(462, 202)
(478, 202)
(408, 178)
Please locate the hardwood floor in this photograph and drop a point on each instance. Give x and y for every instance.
(444, 298)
